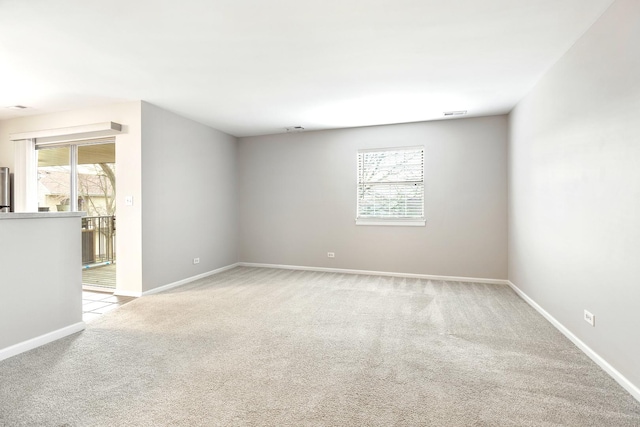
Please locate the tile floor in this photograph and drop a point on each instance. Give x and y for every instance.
(95, 304)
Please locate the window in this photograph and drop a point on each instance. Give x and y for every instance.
(391, 186)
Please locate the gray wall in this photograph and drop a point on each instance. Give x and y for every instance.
(574, 196)
(298, 199)
(41, 276)
(189, 202)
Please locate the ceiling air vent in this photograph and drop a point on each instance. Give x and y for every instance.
(17, 107)
(294, 129)
(455, 113)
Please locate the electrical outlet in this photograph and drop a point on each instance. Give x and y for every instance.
(128, 200)
(589, 318)
(331, 255)
(196, 260)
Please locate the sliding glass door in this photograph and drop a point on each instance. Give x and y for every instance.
(81, 176)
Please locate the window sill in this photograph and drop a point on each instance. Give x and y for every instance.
(392, 222)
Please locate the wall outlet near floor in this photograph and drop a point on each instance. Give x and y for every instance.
(128, 200)
(196, 260)
(331, 255)
(589, 318)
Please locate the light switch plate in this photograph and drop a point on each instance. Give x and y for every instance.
(589, 318)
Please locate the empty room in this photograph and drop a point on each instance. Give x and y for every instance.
(337, 213)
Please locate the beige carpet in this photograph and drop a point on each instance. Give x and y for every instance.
(270, 347)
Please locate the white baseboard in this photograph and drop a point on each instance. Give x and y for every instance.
(613, 372)
(377, 273)
(188, 280)
(32, 343)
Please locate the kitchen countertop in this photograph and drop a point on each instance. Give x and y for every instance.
(32, 215)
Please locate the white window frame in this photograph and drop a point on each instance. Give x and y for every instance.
(388, 221)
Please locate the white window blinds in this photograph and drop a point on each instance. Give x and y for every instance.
(391, 184)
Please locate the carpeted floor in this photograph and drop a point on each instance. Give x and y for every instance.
(270, 347)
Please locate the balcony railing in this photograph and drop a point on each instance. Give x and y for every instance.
(98, 239)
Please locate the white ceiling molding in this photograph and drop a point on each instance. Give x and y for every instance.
(71, 133)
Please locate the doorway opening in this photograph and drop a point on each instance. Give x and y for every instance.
(81, 176)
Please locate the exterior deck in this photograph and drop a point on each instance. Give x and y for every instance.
(103, 276)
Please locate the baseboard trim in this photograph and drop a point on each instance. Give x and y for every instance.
(188, 280)
(376, 273)
(613, 372)
(32, 343)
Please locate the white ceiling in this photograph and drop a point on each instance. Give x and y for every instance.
(255, 67)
